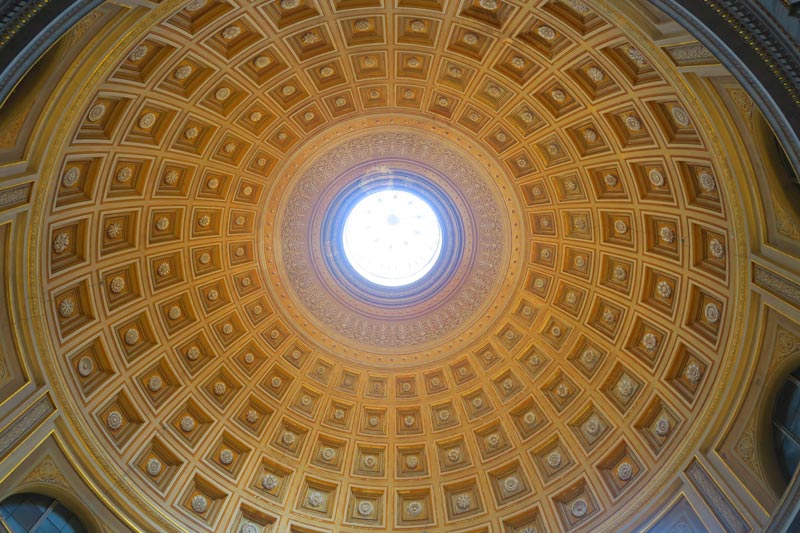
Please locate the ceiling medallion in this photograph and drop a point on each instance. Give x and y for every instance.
(452, 283)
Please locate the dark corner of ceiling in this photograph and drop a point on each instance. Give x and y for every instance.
(28, 28)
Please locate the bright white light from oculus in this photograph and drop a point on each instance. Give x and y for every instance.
(392, 237)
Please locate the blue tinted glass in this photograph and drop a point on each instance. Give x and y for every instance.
(51, 524)
(792, 425)
(63, 521)
(29, 511)
(788, 453)
(15, 526)
(9, 505)
(22, 511)
(789, 397)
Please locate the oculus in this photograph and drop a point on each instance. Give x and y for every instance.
(392, 237)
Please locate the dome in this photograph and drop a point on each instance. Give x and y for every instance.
(354, 265)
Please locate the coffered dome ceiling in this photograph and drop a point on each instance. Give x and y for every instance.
(223, 363)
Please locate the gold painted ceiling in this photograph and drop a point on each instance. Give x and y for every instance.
(224, 376)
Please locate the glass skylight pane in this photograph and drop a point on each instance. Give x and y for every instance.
(392, 237)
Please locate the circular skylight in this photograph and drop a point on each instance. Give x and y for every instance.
(392, 237)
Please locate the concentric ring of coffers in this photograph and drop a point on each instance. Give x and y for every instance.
(167, 296)
(473, 266)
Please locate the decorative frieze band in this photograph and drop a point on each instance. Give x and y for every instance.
(716, 500)
(14, 196)
(691, 54)
(24, 425)
(781, 287)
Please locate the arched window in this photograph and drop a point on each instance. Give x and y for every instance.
(28, 512)
(786, 425)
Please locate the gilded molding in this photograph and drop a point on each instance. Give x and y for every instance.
(692, 54)
(14, 196)
(777, 285)
(786, 343)
(47, 472)
(746, 447)
(786, 224)
(24, 425)
(716, 500)
(744, 104)
(74, 35)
